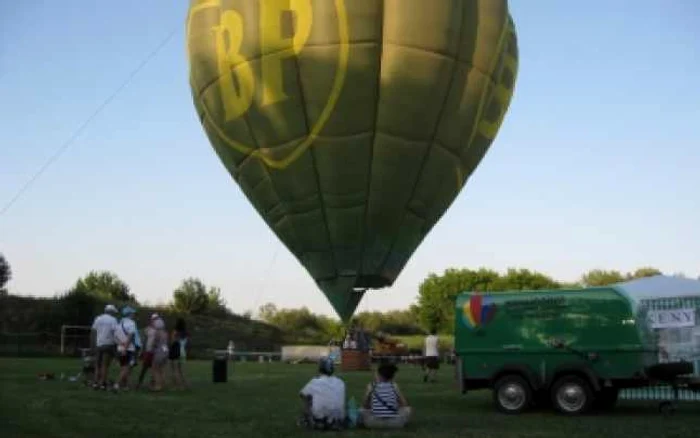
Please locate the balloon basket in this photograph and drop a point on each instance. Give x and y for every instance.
(355, 360)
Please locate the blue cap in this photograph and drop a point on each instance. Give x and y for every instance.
(326, 365)
(128, 311)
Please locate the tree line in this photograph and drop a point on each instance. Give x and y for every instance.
(191, 297)
(433, 308)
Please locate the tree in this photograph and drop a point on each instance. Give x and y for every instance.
(267, 312)
(599, 277)
(216, 302)
(395, 322)
(644, 272)
(524, 279)
(104, 285)
(300, 325)
(437, 294)
(5, 274)
(191, 297)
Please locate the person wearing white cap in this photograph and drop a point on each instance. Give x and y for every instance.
(126, 337)
(155, 354)
(103, 341)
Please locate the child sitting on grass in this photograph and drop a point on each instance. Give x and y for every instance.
(384, 405)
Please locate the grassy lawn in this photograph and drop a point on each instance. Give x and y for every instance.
(260, 400)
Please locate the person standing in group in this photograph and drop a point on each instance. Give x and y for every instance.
(103, 342)
(432, 356)
(178, 352)
(155, 354)
(125, 336)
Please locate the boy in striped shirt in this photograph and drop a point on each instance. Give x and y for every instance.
(384, 404)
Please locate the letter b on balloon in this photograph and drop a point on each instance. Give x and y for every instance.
(237, 82)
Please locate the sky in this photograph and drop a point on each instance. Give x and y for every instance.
(595, 166)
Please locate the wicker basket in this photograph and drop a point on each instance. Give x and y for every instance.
(355, 360)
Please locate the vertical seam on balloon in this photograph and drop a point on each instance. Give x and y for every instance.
(426, 155)
(285, 210)
(374, 137)
(317, 177)
(494, 63)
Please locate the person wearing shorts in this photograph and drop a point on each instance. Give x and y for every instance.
(178, 352)
(155, 355)
(125, 335)
(104, 343)
(432, 357)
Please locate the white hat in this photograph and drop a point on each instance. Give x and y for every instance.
(154, 316)
(109, 308)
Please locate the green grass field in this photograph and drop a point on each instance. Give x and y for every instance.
(260, 400)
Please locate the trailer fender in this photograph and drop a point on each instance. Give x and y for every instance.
(523, 370)
(576, 369)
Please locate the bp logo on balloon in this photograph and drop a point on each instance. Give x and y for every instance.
(478, 311)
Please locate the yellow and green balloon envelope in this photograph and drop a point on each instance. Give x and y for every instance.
(351, 125)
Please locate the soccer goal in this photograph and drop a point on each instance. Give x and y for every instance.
(75, 338)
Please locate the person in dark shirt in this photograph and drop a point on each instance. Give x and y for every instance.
(178, 349)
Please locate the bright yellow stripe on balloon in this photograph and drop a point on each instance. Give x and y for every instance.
(193, 11)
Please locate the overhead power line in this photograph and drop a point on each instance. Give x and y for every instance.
(62, 149)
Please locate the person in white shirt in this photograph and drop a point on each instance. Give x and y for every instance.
(231, 349)
(432, 356)
(125, 335)
(323, 399)
(103, 342)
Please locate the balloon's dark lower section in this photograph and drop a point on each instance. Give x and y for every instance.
(343, 296)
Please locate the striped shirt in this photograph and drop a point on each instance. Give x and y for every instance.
(384, 391)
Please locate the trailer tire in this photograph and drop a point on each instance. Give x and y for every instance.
(572, 395)
(512, 394)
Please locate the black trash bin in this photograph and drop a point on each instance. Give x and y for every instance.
(220, 369)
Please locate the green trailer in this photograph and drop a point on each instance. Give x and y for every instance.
(568, 349)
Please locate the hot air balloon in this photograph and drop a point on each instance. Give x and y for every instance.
(351, 125)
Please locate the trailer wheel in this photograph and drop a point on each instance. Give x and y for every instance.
(512, 394)
(572, 395)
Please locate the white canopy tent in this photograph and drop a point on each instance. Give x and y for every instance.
(660, 287)
(671, 306)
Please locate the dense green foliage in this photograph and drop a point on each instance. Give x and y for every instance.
(45, 316)
(192, 297)
(213, 324)
(103, 285)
